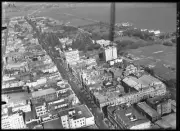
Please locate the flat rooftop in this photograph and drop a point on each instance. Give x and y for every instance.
(158, 99)
(171, 119)
(54, 124)
(106, 96)
(85, 112)
(32, 124)
(90, 127)
(163, 124)
(20, 96)
(15, 65)
(28, 116)
(126, 115)
(43, 92)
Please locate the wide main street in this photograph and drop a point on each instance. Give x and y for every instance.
(50, 49)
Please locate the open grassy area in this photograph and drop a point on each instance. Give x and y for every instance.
(162, 57)
(159, 52)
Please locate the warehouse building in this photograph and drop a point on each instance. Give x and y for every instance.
(148, 111)
(141, 83)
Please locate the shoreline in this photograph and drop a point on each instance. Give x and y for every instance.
(102, 17)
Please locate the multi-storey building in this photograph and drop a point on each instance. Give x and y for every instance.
(17, 121)
(47, 94)
(40, 109)
(13, 121)
(77, 117)
(127, 118)
(24, 106)
(162, 104)
(148, 111)
(110, 53)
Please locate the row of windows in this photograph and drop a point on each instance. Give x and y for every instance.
(59, 106)
(76, 124)
(41, 113)
(81, 120)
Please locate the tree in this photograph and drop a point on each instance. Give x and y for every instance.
(171, 83)
(149, 70)
(96, 46)
(167, 43)
(173, 40)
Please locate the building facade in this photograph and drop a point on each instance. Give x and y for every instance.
(77, 117)
(41, 109)
(110, 53)
(15, 121)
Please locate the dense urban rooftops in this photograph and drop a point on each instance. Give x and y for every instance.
(54, 124)
(129, 116)
(149, 110)
(18, 97)
(80, 112)
(43, 92)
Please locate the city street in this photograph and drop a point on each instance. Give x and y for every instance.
(82, 97)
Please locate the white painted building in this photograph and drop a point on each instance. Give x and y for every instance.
(72, 56)
(24, 108)
(5, 123)
(77, 117)
(110, 53)
(15, 121)
(41, 110)
(103, 42)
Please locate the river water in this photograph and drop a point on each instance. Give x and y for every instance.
(158, 16)
(149, 16)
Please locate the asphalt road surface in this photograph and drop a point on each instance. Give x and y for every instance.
(83, 97)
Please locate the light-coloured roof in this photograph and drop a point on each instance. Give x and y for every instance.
(85, 112)
(171, 119)
(143, 81)
(43, 92)
(15, 65)
(163, 124)
(147, 79)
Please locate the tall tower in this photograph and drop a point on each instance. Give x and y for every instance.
(112, 22)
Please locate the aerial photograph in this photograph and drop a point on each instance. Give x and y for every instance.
(83, 65)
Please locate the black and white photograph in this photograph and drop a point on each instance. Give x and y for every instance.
(88, 65)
